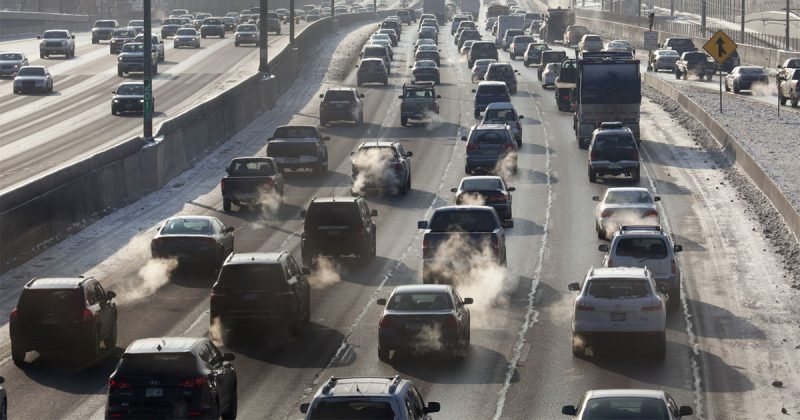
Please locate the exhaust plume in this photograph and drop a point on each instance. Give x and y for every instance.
(374, 170)
(628, 218)
(152, 276)
(507, 166)
(269, 201)
(325, 273)
(216, 332)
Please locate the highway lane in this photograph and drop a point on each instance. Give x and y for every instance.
(552, 244)
(43, 132)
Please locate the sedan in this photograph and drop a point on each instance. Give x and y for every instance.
(480, 67)
(425, 71)
(613, 404)
(429, 317)
(390, 33)
(664, 60)
(624, 206)
(11, 62)
(619, 45)
(425, 53)
(33, 79)
(193, 239)
(186, 37)
(485, 191)
(423, 41)
(246, 34)
(745, 78)
(383, 43)
(129, 97)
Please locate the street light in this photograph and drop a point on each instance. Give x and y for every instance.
(148, 73)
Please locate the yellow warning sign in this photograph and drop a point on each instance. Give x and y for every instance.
(720, 46)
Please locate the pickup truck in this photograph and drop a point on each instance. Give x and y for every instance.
(131, 59)
(298, 147)
(696, 63)
(249, 179)
(419, 101)
(788, 87)
(784, 69)
(460, 237)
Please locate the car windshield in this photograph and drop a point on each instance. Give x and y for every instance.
(186, 31)
(499, 115)
(628, 197)
(340, 96)
(180, 226)
(671, 53)
(625, 408)
(55, 35)
(133, 47)
(261, 277)
(295, 132)
(350, 408)
(105, 24)
(131, 89)
(172, 21)
(31, 71)
(642, 248)
(482, 184)
(333, 216)
(246, 28)
(61, 299)
(751, 70)
(161, 365)
(621, 288)
(252, 168)
(462, 221)
(10, 56)
(124, 34)
(136, 23)
(372, 65)
(523, 40)
(425, 63)
(420, 302)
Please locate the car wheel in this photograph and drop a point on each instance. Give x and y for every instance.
(781, 99)
(383, 355)
(727, 88)
(403, 121)
(525, 63)
(795, 102)
(386, 82)
(17, 355)
(120, 73)
(592, 175)
(95, 41)
(736, 88)
(403, 190)
(50, 88)
(677, 75)
(601, 233)
(233, 407)
(578, 349)
(226, 205)
(93, 351)
(636, 176)
(41, 55)
(111, 341)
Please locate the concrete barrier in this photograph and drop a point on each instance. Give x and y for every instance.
(43, 212)
(30, 24)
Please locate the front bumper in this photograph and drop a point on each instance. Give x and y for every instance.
(54, 50)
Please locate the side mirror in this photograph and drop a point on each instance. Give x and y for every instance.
(271, 138)
(603, 248)
(468, 301)
(110, 295)
(302, 213)
(114, 92)
(452, 190)
(473, 90)
(373, 213)
(360, 95)
(326, 138)
(409, 154)
(685, 410)
(228, 357)
(656, 198)
(433, 407)
(321, 95)
(422, 224)
(72, 36)
(40, 37)
(304, 407)
(411, 67)
(511, 189)
(677, 248)
(575, 287)
(567, 410)
(306, 271)
(521, 117)
(399, 96)
(438, 96)
(596, 198)
(382, 302)
(463, 138)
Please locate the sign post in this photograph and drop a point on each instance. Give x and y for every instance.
(650, 44)
(720, 46)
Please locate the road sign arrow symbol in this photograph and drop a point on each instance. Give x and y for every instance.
(721, 47)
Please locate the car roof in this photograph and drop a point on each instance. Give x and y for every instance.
(341, 199)
(640, 230)
(131, 83)
(377, 144)
(361, 386)
(479, 177)
(618, 272)
(55, 283)
(163, 345)
(610, 393)
(623, 189)
(341, 89)
(241, 258)
(422, 288)
(490, 126)
(500, 105)
(32, 67)
(470, 207)
(364, 60)
(193, 217)
(491, 82)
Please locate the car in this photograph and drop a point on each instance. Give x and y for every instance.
(419, 101)
(377, 51)
(274, 25)
(103, 29)
(613, 404)
(383, 43)
(619, 304)
(590, 43)
(199, 17)
(457, 21)
(745, 78)
(535, 26)
(58, 315)
(613, 151)
(119, 38)
(155, 42)
(519, 44)
(212, 26)
(428, 32)
(426, 53)
(508, 37)
(246, 33)
(195, 240)
(131, 59)
(425, 16)
(695, 63)
(368, 398)
(466, 47)
(490, 190)
(137, 25)
(491, 148)
(489, 23)
(481, 50)
(503, 72)
(372, 70)
(129, 97)
(468, 35)
(550, 74)
(56, 41)
(229, 23)
(424, 41)
(504, 113)
(341, 104)
(391, 33)
(173, 377)
(314, 15)
(663, 60)
(186, 37)
(573, 34)
(651, 247)
(393, 24)
(624, 206)
(680, 45)
(253, 182)
(425, 71)
(620, 45)
(258, 291)
(789, 87)
(487, 92)
(547, 57)
(296, 147)
(468, 25)
(384, 37)
(424, 317)
(33, 79)
(11, 62)
(479, 68)
(404, 16)
(336, 227)
(381, 165)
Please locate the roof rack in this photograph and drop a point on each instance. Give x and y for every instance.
(395, 382)
(640, 227)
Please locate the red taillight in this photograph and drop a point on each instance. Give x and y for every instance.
(222, 184)
(14, 313)
(509, 146)
(583, 307)
(87, 315)
(657, 307)
(118, 384)
(497, 197)
(268, 181)
(650, 213)
(607, 213)
(397, 165)
(473, 146)
(593, 155)
(495, 242)
(426, 244)
(451, 321)
(195, 413)
(193, 382)
(385, 322)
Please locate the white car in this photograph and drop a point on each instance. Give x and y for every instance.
(3, 401)
(624, 206)
(480, 67)
(611, 404)
(618, 304)
(550, 73)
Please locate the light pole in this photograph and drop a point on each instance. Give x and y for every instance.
(742, 37)
(787, 27)
(702, 18)
(291, 21)
(263, 60)
(148, 73)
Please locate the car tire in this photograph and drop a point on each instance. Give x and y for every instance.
(781, 99)
(111, 341)
(578, 349)
(636, 176)
(41, 55)
(525, 63)
(736, 88)
(403, 121)
(233, 408)
(235, 44)
(203, 36)
(677, 75)
(113, 111)
(727, 88)
(17, 355)
(383, 355)
(795, 102)
(50, 88)
(95, 41)
(601, 233)
(592, 175)
(477, 114)
(120, 73)
(386, 82)
(403, 190)
(226, 205)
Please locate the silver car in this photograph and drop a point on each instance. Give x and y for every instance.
(33, 79)
(590, 43)
(186, 37)
(638, 403)
(664, 60)
(11, 62)
(624, 206)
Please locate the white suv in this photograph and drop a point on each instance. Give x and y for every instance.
(616, 304)
(647, 246)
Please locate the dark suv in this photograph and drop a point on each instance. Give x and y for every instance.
(119, 38)
(487, 146)
(173, 377)
(54, 315)
(212, 26)
(381, 165)
(299, 147)
(262, 290)
(502, 72)
(338, 226)
(341, 104)
(489, 92)
(103, 29)
(613, 151)
(479, 50)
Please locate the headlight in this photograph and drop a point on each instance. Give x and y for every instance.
(16, 66)
(116, 101)
(119, 58)
(141, 101)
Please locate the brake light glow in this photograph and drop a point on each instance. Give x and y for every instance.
(195, 413)
(450, 321)
(473, 146)
(385, 322)
(580, 306)
(649, 213)
(14, 313)
(193, 382)
(397, 165)
(607, 213)
(495, 242)
(118, 384)
(87, 315)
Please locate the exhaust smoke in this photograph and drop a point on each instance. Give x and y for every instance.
(325, 273)
(628, 218)
(269, 201)
(473, 199)
(428, 340)
(152, 276)
(374, 170)
(216, 332)
(507, 166)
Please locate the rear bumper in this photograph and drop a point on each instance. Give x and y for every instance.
(339, 114)
(54, 50)
(615, 168)
(53, 340)
(426, 340)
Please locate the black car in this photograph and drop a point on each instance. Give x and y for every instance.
(212, 26)
(381, 165)
(261, 290)
(341, 104)
(173, 377)
(502, 72)
(170, 26)
(479, 50)
(487, 190)
(203, 240)
(613, 151)
(129, 97)
(120, 37)
(425, 71)
(338, 226)
(58, 315)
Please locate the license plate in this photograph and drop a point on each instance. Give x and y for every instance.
(614, 165)
(333, 233)
(617, 316)
(154, 392)
(250, 296)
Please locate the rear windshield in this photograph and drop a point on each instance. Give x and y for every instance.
(631, 407)
(489, 137)
(618, 288)
(352, 409)
(262, 277)
(501, 70)
(124, 33)
(51, 299)
(680, 43)
(523, 39)
(251, 168)
(212, 22)
(499, 115)
(628, 197)
(481, 184)
(651, 248)
(246, 28)
(750, 70)
(462, 221)
(131, 89)
(161, 365)
(172, 21)
(492, 90)
(333, 216)
(55, 35)
(372, 65)
(186, 227)
(614, 142)
(105, 24)
(31, 71)
(420, 302)
(340, 95)
(291, 149)
(295, 132)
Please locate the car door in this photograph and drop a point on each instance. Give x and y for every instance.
(222, 372)
(300, 284)
(108, 310)
(462, 313)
